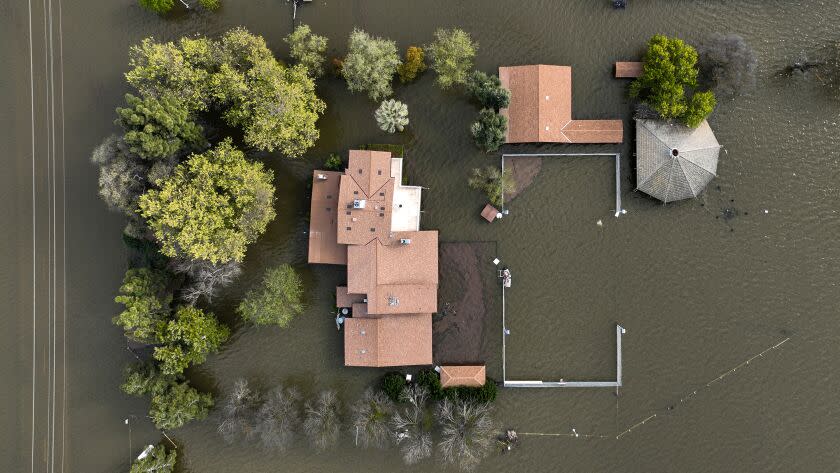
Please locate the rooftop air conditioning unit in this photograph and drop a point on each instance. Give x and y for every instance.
(405, 241)
(359, 203)
(393, 301)
(322, 177)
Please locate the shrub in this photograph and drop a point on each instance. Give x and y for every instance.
(146, 301)
(278, 418)
(412, 425)
(393, 384)
(492, 182)
(157, 460)
(371, 416)
(158, 6)
(323, 422)
(466, 432)
(452, 54)
(238, 412)
(413, 65)
(333, 163)
(397, 151)
(188, 338)
(278, 299)
(211, 5)
(488, 90)
(391, 116)
(727, 63)
(700, 105)
(488, 130)
(430, 379)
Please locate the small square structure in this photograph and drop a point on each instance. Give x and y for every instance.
(489, 213)
(462, 375)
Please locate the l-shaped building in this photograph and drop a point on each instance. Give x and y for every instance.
(366, 219)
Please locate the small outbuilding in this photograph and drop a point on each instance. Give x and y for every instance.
(462, 375)
(674, 162)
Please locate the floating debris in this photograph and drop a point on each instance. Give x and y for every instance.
(599, 223)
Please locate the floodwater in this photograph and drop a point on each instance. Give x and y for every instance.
(701, 286)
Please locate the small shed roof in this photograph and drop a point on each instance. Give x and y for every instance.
(489, 213)
(674, 162)
(462, 375)
(628, 70)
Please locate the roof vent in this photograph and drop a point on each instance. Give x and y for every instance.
(359, 203)
(322, 177)
(393, 301)
(405, 241)
(546, 97)
(546, 128)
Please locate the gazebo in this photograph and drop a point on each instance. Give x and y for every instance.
(674, 162)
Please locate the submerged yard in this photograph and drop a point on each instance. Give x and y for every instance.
(700, 285)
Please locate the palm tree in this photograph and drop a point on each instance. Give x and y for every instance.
(466, 432)
(239, 412)
(412, 425)
(278, 418)
(323, 421)
(371, 415)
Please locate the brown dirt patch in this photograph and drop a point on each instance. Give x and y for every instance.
(467, 304)
(525, 170)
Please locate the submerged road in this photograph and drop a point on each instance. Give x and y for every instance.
(34, 328)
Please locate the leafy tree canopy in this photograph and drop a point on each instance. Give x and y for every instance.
(157, 128)
(212, 206)
(488, 90)
(189, 338)
(307, 49)
(158, 6)
(370, 64)
(277, 300)
(391, 116)
(488, 130)
(158, 460)
(670, 69)
(452, 54)
(413, 65)
(143, 293)
(492, 182)
(173, 402)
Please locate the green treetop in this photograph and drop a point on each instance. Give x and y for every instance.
(212, 206)
(143, 293)
(488, 90)
(307, 49)
(276, 301)
(413, 65)
(488, 130)
(370, 64)
(492, 182)
(158, 6)
(158, 460)
(157, 128)
(452, 54)
(670, 69)
(173, 401)
(189, 338)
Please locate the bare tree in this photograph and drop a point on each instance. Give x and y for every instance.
(323, 420)
(279, 418)
(371, 416)
(239, 412)
(205, 279)
(466, 432)
(412, 426)
(727, 63)
(122, 175)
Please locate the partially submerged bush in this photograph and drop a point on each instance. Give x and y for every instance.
(452, 54)
(727, 63)
(488, 91)
(492, 182)
(333, 163)
(371, 417)
(413, 65)
(489, 130)
(391, 116)
(323, 422)
(276, 301)
(393, 384)
(466, 432)
(370, 64)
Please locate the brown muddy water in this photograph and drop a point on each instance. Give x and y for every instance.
(700, 286)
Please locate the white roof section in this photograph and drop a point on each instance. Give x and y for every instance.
(405, 213)
(674, 162)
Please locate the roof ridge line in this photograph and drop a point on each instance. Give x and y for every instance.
(680, 160)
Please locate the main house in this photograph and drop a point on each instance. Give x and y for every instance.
(366, 219)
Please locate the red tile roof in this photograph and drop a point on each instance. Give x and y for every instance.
(462, 375)
(323, 245)
(540, 109)
(397, 340)
(628, 69)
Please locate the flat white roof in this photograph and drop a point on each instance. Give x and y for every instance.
(405, 214)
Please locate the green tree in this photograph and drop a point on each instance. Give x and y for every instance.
(370, 64)
(492, 182)
(212, 206)
(168, 69)
(413, 65)
(189, 338)
(669, 71)
(391, 116)
(393, 384)
(158, 460)
(307, 49)
(452, 54)
(211, 5)
(488, 90)
(157, 128)
(276, 106)
(488, 130)
(158, 6)
(146, 301)
(173, 401)
(277, 300)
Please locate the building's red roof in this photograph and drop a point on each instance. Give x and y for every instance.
(462, 375)
(540, 109)
(395, 340)
(323, 245)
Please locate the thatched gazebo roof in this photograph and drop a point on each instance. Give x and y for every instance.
(674, 162)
